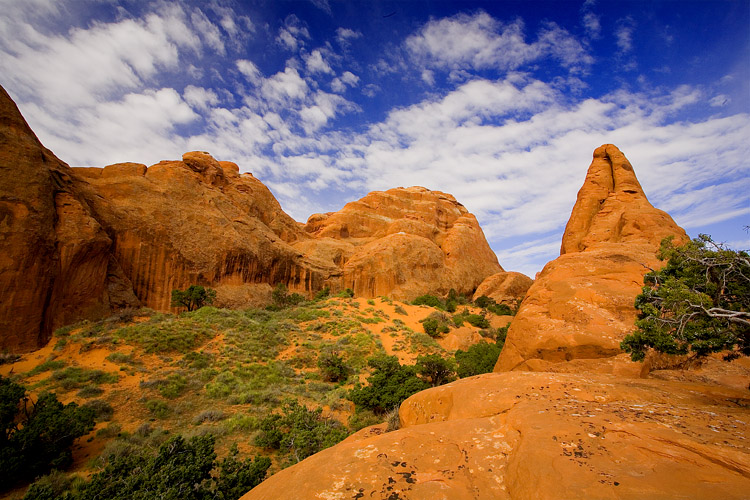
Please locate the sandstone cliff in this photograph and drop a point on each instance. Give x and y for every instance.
(505, 288)
(580, 306)
(55, 264)
(79, 243)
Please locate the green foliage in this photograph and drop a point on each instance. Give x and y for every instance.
(282, 298)
(389, 385)
(193, 298)
(346, 293)
(75, 377)
(158, 408)
(36, 437)
(476, 320)
(429, 300)
(173, 386)
(436, 324)
(165, 333)
(299, 432)
(102, 410)
(180, 469)
(697, 304)
(479, 358)
(49, 365)
(400, 310)
(332, 367)
(323, 293)
(489, 304)
(436, 369)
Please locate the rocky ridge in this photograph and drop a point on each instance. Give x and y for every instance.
(79, 243)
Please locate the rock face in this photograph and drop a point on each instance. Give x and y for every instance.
(404, 242)
(78, 243)
(505, 288)
(55, 266)
(543, 436)
(580, 306)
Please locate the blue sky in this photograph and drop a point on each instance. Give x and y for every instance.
(499, 103)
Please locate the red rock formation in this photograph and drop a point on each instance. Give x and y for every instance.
(543, 436)
(405, 242)
(55, 265)
(78, 243)
(505, 288)
(581, 305)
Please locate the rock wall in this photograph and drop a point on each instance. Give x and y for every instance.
(79, 243)
(580, 307)
(55, 264)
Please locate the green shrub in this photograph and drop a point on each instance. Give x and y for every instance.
(193, 298)
(479, 358)
(49, 365)
(299, 432)
(173, 386)
(400, 310)
(500, 309)
(323, 293)
(389, 385)
(477, 320)
(181, 468)
(103, 411)
(436, 369)
(158, 408)
(36, 437)
(363, 418)
(74, 377)
(436, 324)
(347, 293)
(332, 367)
(429, 300)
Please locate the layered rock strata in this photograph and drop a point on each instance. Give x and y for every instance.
(580, 306)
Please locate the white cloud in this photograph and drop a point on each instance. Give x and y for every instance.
(347, 79)
(208, 31)
(316, 64)
(345, 35)
(480, 41)
(293, 34)
(719, 101)
(592, 25)
(624, 34)
(250, 71)
(200, 98)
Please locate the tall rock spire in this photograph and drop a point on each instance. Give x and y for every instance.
(581, 306)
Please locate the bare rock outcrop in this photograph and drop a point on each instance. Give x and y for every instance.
(79, 243)
(580, 306)
(55, 264)
(405, 242)
(505, 287)
(196, 221)
(540, 435)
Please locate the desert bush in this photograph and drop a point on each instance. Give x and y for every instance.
(74, 377)
(347, 293)
(299, 432)
(363, 418)
(194, 297)
(323, 293)
(209, 416)
(400, 310)
(436, 369)
(479, 358)
(181, 468)
(332, 367)
(36, 437)
(103, 411)
(429, 300)
(389, 384)
(436, 324)
(158, 408)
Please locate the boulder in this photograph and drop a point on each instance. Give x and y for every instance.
(580, 306)
(505, 288)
